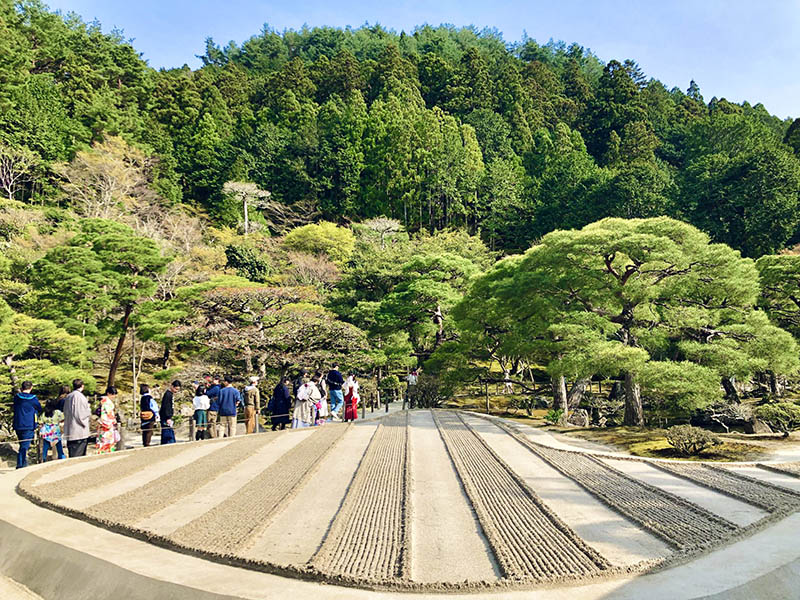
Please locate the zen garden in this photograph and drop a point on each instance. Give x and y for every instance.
(348, 313)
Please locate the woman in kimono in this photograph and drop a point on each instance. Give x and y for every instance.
(351, 398)
(107, 433)
(308, 397)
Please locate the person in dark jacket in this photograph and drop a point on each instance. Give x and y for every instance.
(148, 411)
(299, 381)
(212, 413)
(335, 382)
(26, 408)
(229, 401)
(167, 412)
(280, 406)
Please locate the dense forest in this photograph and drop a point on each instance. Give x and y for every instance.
(327, 192)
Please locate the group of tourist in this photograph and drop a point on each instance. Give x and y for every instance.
(64, 418)
(308, 400)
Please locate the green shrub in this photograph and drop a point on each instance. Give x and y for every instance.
(690, 441)
(554, 416)
(248, 262)
(780, 416)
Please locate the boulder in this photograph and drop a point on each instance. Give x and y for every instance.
(579, 418)
(757, 426)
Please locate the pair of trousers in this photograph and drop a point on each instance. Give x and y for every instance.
(147, 432)
(77, 448)
(25, 437)
(167, 435)
(250, 418)
(228, 423)
(212, 423)
(46, 450)
(337, 399)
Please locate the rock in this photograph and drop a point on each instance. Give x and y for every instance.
(757, 426)
(579, 418)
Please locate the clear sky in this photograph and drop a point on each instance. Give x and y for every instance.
(736, 49)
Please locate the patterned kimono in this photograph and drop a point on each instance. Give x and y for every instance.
(107, 434)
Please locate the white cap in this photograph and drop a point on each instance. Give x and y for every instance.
(254, 379)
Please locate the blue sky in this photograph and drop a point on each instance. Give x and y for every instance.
(740, 50)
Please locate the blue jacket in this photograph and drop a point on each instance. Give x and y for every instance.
(26, 407)
(213, 396)
(229, 399)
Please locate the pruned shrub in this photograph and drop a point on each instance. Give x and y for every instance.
(780, 416)
(554, 416)
(431, 392)
(689, 440)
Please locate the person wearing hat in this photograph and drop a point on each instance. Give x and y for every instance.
(252, 405)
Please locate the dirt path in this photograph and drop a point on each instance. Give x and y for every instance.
(613, 536)
(736, 485)
(369, 538)
(297, 531)
(249, 510)
(447, 543)
(529, 541)
(679, 523)
(170, 488)
(213, 492)
(733, 510)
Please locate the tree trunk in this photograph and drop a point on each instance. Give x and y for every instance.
(731, 393)
(576, 392)
(246, 220)
(165, 357)
(12, 371)
(634, 415)
(112, 371)
(559, 393)
(774, 388)
(438, 319)
(248, 360)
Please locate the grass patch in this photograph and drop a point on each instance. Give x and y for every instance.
(652, 443)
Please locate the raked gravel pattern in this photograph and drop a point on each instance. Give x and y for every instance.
(229, 528)
(758, 493)
(680, 523)
(790, 468)
(369, 538)
(147, 500)
(529, 541)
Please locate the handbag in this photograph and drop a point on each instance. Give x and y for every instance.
(147, 415)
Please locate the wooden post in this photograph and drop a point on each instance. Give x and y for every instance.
(487, 397)
(363, 411)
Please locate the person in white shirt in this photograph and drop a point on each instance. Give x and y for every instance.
(308, 396)
(201, 402)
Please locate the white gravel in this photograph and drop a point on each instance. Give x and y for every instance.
(733, 510)
(613, 536)
(447, 544)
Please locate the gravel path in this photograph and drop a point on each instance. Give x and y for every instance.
(680, 523)
(368, 540)
(148, 499)
(229, 528)
(67, 468)
(290, 540)
(739, 486)
(604, 529)
(111, 472)
(447, 543)
(768, 475)
(216, 490)
(528, 540)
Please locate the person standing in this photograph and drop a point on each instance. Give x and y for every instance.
(148, 413)
(76, 420)
(299, 381)
(62, 396)
(335, 382)
(26, 408)
(107, 433)
(229, 401)
(304, 405)
(213, 406)
(201, 404)
(167, 412)
(411, 387)
(351, 397)
(321, 407)
(280, 404)
(252, 405)
(50, 427)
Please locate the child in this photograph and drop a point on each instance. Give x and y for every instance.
(50, 429)
(201, 402)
